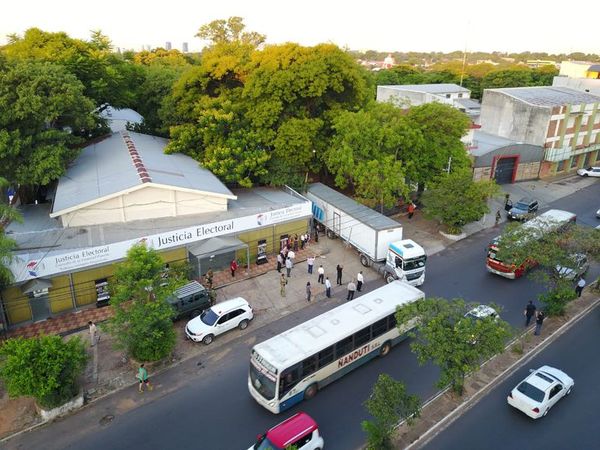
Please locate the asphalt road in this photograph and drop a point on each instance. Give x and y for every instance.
(214, 411)
(571, 423)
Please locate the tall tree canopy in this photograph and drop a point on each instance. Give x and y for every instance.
(40, 104)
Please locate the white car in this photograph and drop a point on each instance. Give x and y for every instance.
(589, 172)
(540, 391)
(218, 319)
(481, 312)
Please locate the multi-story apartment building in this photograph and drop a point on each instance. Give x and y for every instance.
(565, 122)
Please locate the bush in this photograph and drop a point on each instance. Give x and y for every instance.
(46, 368)
(556, 299)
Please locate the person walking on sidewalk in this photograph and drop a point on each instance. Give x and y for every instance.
(310, 261)
(411, 210)
(327, 288)
(339, 270)
(321, 273)
(359, 281)
(142, 376)
(580, 286)
(539, 321)
(295, 242)
(308, 292)
(288, 266)
(292, 256)
(351, 290)
(233, 267)
(498, 217)
(279, 262)
(93, 333)
(529, 312)
(282, 283)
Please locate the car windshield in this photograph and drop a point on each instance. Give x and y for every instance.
(265, 444)
(531, 391)
(264, 385)
(209, 317)
(415, 263)
(521, 205)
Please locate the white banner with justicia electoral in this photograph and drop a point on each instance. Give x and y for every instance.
(42, 264)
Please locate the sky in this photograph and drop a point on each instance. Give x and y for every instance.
(394, 25)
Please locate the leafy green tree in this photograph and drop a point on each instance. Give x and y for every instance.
(548, 250)
(230, 30)
(7, 245)
(40, 103)
(389, 403)
(453, 342)
(106, 76)
(381, 182)
(454, 199)
(142, 322)
(46, 368)
(507, 78)
(372, 133)
(441, 127)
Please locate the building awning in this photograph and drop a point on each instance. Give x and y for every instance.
(39, 284)
(216, 246)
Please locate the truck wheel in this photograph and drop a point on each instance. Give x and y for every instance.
(365, 260)
(330, 234)
(388, 277)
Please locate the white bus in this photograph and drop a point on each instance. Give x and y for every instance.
(295, 364)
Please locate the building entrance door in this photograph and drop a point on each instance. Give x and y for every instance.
(504, 170)
(40, 306)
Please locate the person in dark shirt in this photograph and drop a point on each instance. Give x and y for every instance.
(538, 323)
(529, 312)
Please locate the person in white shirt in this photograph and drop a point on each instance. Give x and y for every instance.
(310, 261)
(321, 272)
(327, 287)
(580, 286)
(351, 289)
(359, 281)
(292, 255)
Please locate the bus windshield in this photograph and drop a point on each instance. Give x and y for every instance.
(263, 385)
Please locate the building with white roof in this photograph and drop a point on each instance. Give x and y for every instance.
(117, 119)
(124, 190)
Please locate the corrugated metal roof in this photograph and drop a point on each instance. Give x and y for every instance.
(111, 166)
(468, 103)
(439, 88)
(365, 214)
(549, 95)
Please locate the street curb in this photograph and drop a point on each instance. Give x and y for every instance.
(446, 421)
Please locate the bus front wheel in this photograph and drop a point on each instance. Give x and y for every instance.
(385, 349)
(310, 391)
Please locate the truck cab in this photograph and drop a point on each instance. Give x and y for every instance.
(405, 261)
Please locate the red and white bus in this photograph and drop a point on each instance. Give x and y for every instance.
(552, 220)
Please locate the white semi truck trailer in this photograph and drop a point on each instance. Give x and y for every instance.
(377, 238)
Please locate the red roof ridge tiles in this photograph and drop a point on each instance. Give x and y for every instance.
(136, 159)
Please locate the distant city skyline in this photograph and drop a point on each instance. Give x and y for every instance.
(510, 26)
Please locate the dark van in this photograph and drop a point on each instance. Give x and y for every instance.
(190, 300)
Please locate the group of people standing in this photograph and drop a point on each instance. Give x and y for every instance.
(352, 287)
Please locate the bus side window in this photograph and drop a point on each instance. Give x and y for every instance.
(289, 378)
(325, 356)
(392, 321)
(362, 337)
(343, 347)
(309, 365)
(380, 327)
